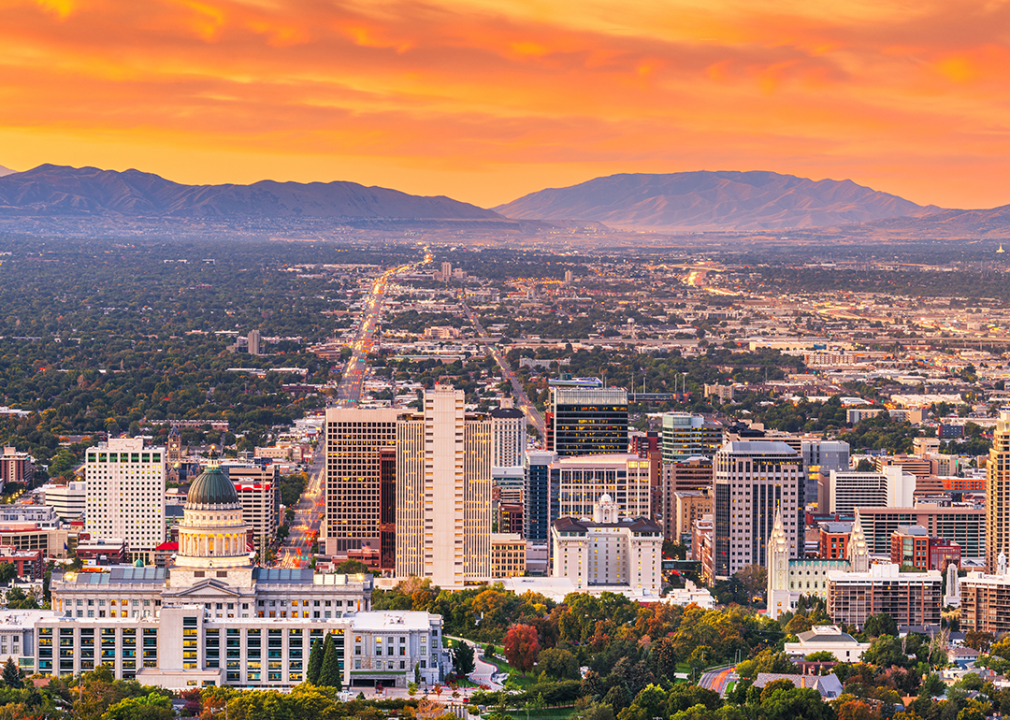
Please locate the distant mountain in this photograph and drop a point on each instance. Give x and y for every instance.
(58, 191)
(712, 201)
(5, 171)
(993, 223)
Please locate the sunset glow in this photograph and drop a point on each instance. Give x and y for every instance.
(486, 100)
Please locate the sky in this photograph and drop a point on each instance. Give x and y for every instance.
(486, 100)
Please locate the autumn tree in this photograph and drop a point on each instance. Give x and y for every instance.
(522, 647)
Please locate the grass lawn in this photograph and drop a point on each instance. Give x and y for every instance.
(503, 666)
(543, 714)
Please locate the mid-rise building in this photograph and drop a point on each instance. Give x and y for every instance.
(537, 497)
(918, 466)
(754, 480)
(912, 598)
(259, 492)
(821, 457)
(964, 525)
(686, 475)
(355, 440)
(891, 487)
(687, 436)
(608, 550)
(126, 495)
(985, 599)
(833, 540)
(997, 494)
(16, 467)
(508, 432)
(68, 501)
(687, 507)
(913, 547)
(41, 516)
(510, 518)
(443, 492)
(508, 555)
(253, 342)
(588, 421)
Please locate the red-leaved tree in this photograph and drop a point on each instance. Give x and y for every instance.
(522, 647)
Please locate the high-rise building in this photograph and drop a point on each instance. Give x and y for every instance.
(578, 482)
(508, 431)
(687, 436)
(997, 494)
(126, 495)
(537, 497)
(964, 525)
(755, 479)
(355, 439)
(446, 271)
(387, 508)
(588, 421)
(258, 490)
(443, 492)
(16, 467)
(892, 487)
(820, 457)
(253, 342)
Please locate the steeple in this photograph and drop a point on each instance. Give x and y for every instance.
(858, 550)
(778, 568)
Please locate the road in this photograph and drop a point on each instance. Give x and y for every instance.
(533, 416)
(297, 548)
(718, 679)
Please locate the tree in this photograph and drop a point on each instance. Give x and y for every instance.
(880, 624)
(11, 674)
(152, 707)
(754, 579)
(329, 673)
(522, 647)
(558, 664)
(315, 662)
(462, 658)
(352, 567)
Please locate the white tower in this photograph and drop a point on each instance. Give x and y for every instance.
(953, 596)
(778, 569)
(858, 550)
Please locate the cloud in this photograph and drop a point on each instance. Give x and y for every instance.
(479, 90)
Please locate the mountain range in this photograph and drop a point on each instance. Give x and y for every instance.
(712, 201)
(5, 171)
(53, 190)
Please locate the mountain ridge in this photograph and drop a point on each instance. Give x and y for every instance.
(57, 190)
(5, 171)
(712, 201)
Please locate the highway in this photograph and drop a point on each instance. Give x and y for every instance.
(533, 416)
(297, 548)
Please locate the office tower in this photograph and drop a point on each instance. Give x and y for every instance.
(355, 439)
(587, 421)
(537, 497)
(850, 489)
(253, 341)
(387, 508)
(686, 436)
(578, 482)
(820, 457)
(508, 431)
(126, 495)
(755, 479)
(259, 493)
(443, 492)
(997, 494)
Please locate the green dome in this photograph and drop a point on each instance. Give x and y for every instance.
(212, 488)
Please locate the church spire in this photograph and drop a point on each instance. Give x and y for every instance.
(778, 568)
(858, 550)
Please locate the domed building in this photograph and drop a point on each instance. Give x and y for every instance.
(215, 618)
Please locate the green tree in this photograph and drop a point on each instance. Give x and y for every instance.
(462, 658)
(329, 673)
(558, 664)
(11, 674)
(315, 662)
(352, 567)
(151, 707)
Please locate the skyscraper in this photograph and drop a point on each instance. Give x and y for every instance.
(686, 436)
(443, 492)
(537, 496)
(355, 439)
(588, 421)
(508, 428)
(126, 495)
(754, 480)
(997, 494)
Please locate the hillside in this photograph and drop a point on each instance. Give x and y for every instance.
(712, 201)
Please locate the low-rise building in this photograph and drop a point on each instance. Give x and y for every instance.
(28, 563)
(827, 638)
(67, 501)
(508, 555)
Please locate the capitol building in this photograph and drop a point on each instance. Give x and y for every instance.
(213, 618)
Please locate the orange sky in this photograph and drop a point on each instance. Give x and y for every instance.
(485, 100)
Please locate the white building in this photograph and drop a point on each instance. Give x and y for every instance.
(578, 482)
(68, 501)
(754, 480)
(789, 579)
(827, 638)
(608, 550)
(126, 494)
(259, 493)
(214, 619)
(892, 487)
(443, 492)
(508, 432)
